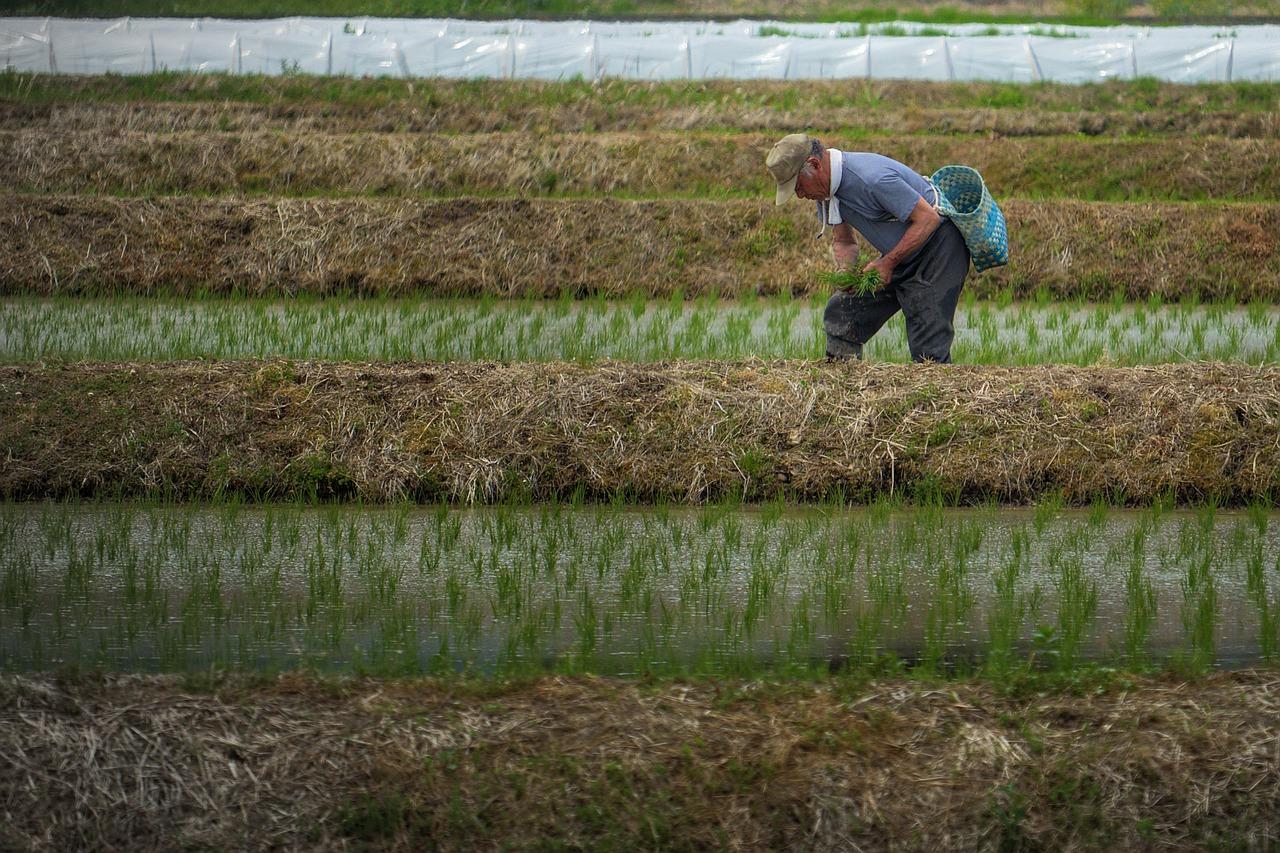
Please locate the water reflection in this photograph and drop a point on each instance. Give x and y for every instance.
(620, 590)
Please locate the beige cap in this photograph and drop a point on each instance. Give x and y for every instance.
(785, 161)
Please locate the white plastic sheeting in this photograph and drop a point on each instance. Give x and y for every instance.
(428, 47)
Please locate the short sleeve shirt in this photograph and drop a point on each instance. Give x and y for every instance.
(876, 196)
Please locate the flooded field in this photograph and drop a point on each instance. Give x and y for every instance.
(636, 330)
(619, 590)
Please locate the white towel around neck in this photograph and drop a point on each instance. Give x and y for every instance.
(829, 210)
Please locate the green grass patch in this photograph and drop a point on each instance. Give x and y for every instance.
(369, 93)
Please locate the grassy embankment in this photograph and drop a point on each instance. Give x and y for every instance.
(1115, 763)
(679, 431)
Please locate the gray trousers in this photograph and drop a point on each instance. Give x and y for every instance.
(926, 290)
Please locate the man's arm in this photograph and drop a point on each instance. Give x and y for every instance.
(922, 222)
(844, 246)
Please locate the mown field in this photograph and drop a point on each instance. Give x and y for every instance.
(620, 164)
(313, 389)
(168, 103)
(168, 186)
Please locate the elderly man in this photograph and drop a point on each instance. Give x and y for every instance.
(923, 258)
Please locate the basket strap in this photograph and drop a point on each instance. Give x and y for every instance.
(937, 196)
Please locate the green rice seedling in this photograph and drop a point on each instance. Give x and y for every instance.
(1268, 608)
(1009, 607)
(1200, 612)
(1077, 606)
(502, 589)
(18, 587)
(1140, 598)
(527, 329)
(858, 280)
(885, 606)
(1099, 509)
(1259, 514)
(1045, 511)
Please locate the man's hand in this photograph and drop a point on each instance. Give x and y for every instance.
(884, 266)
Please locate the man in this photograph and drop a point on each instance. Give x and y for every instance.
(923, 258)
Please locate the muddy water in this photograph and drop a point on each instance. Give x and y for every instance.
(621, 590)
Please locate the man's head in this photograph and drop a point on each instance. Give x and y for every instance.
(799, 165)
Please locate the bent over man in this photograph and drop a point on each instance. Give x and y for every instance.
(923, 258)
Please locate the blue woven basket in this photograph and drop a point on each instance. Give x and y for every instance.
(963, 198)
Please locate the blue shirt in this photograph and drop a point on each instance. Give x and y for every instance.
(876, 195)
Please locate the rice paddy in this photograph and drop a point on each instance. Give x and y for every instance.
(612, 590)
(540, 366)
(1000, 332)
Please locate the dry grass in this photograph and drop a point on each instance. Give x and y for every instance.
(690, 431)
(646, 163)
(505, 247)
(588, 115)
(148, 763)
(492, 102)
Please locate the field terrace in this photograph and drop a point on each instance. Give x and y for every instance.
(484, 425)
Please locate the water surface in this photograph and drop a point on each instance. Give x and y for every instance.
(621, 590)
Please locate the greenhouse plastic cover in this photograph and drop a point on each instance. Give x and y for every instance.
(434, 47)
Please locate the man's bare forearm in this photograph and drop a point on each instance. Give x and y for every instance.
(846, 254)
(844, 247)
(918, 231)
